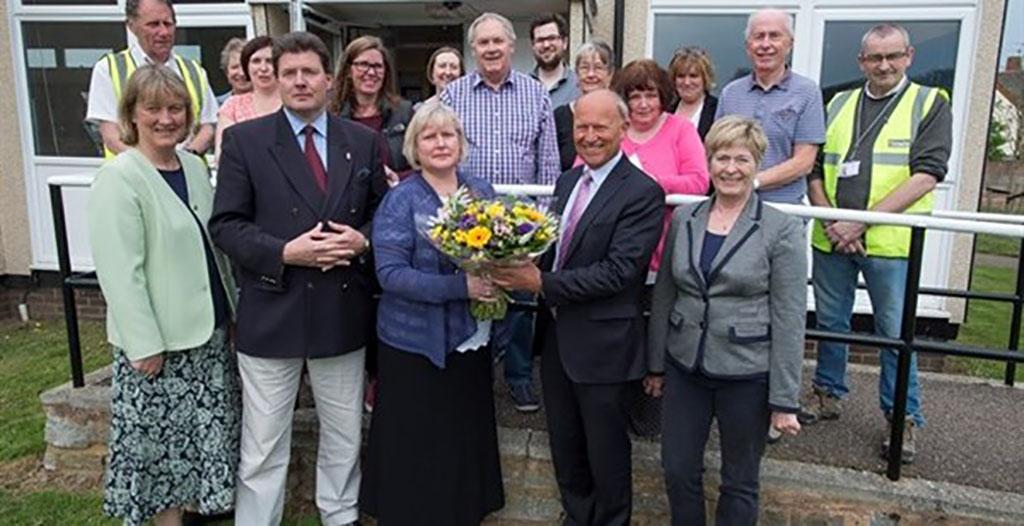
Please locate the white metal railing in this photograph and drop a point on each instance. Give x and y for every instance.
(964, 222)
(947, 220)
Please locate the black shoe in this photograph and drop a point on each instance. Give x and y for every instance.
(523, 398)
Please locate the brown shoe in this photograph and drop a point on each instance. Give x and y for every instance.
(825, 405)
(909, 441)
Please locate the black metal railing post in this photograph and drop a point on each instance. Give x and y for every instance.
(905, 352)
(1018, 302)
(67, 291)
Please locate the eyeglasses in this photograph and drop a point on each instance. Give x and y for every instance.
(587, 68)
(363, 66)
(547, 39)
(877, 58)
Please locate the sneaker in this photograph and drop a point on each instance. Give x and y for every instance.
(523, 398)
(909, 441)
(825, 406)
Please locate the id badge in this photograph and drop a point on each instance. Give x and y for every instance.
(849, 169)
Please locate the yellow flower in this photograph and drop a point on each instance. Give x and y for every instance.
(496, 210)
(437, 232)
(480, 218)
(534, 215)
(478, 236)
(460, 236)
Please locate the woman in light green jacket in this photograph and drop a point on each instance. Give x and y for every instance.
(175, 394)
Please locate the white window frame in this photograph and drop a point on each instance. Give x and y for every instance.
(38, 167)
(809, 21)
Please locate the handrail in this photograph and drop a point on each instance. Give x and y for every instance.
(961, 223)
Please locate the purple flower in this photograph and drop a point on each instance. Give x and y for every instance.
(524, 228)
(468, 221)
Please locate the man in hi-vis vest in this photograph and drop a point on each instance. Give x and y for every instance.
(153, 24)
(887, 145)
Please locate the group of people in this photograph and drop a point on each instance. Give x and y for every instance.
(308, 256)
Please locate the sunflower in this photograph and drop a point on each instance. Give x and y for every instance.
(478, 236)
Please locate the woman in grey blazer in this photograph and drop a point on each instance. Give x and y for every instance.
(727, 317)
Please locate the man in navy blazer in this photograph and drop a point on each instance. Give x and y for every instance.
(296, 193)
(591, 286)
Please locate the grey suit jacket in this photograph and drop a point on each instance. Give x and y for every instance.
(746, 320)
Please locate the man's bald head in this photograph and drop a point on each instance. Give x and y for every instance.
(599, 125)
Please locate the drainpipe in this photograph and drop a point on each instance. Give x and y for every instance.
(619, 30)
(295, 20)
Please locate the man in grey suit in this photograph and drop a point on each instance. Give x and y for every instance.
(591, 318)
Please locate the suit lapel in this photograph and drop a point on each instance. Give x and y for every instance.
(746, 224)
(608, 188)
(292, 163)
(696, 227)
(563, 189)
(339, 164)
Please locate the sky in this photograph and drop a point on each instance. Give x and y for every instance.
(1013, 33)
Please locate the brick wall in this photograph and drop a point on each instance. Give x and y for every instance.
(44, 300)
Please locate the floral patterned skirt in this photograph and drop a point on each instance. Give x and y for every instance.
(174, 438)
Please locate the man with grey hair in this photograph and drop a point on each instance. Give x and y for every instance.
(888, 146)
(508, 122)
(152, 22)
(786, 104)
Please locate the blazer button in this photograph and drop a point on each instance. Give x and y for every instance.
(703, 325)
(353, 210)
(295, 212)
(344, 286)
(309, 286)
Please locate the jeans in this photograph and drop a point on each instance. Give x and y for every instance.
(835, 284)
(515, 339)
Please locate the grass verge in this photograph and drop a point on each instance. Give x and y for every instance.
(987, 324)
(34, 358)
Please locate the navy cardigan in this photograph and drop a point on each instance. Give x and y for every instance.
(424, 307)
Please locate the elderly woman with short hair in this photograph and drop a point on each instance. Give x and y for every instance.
(175, 407)
(726, 333)
(231, 65)
(433, 447)
(595, 64)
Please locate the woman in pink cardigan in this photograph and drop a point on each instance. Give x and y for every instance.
(664, 146)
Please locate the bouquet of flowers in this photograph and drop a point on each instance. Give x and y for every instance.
(481, 233)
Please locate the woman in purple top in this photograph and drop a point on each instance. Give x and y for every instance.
(433, 446)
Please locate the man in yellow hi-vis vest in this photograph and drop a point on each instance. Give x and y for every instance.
(886, 147)
(152, 22)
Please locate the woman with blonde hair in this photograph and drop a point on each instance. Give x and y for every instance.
(433, 448)
(175, 405)
(693, 76)
(726, 332)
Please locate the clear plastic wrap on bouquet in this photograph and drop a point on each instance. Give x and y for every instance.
(479, 234)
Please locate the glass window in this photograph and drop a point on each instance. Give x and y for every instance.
(720, 35)
(205, 44)
(59, 57)
(935, 45)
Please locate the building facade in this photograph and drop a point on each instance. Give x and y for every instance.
(49, 47)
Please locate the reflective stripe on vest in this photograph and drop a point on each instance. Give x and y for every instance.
(890, 162)
(122, 66)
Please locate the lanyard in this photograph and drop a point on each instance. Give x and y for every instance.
(860, 113)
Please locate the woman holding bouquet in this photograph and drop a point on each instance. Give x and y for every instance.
(433, 447)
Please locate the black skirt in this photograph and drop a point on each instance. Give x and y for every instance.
(432, 457)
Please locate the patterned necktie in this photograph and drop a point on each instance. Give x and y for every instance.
(313, 160)
(578, 206)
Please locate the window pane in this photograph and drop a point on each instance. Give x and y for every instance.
(59, 57)
(205, 44)
(721, 35)
(935, 44)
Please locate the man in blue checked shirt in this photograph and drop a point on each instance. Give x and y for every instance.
(510, 128)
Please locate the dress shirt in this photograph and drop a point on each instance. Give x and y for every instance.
(511, 130)
(597, 176)
(319, 138)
